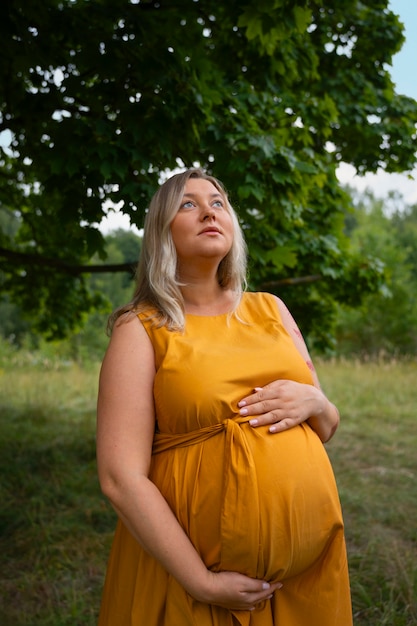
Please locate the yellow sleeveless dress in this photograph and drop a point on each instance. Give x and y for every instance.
(262, 504)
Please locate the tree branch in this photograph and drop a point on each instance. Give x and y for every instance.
(25, 258)
(298, 280)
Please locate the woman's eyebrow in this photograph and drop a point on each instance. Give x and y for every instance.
(195, 195)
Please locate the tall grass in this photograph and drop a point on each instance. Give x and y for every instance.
(375, 460)
(56, 528)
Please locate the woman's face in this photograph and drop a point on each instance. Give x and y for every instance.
(203, 227)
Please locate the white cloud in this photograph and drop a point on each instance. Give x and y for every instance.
(380, 183)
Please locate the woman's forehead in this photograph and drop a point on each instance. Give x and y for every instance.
(201, 185)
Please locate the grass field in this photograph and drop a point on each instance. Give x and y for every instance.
(56, 528)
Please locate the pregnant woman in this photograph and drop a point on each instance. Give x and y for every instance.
(211, 425)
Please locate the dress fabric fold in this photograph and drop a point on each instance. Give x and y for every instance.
(262, 504)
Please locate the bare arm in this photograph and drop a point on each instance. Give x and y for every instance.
(125, 429)
(286, 403)
(325, 418)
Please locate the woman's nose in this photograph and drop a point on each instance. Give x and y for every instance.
(208, 213)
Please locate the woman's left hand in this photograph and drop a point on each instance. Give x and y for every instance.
(283, 404)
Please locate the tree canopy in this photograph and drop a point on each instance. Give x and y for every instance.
(101, 99)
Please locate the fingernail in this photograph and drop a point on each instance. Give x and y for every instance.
(280, 586)
(258, 389)
(243, 411)
(265, 585)
(253, 422)
(241, 403)
(272, 429)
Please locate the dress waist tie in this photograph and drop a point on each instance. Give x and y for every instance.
(240, 515)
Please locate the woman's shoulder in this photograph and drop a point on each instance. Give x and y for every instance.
(127, 324)
(257, 306)
(261, 300)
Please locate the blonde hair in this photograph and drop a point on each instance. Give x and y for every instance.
(157, 286)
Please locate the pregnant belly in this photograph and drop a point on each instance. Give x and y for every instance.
(261, 504)
(299, 507)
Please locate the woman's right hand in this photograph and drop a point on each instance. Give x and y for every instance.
(235, 591)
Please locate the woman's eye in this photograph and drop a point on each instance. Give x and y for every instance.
(187, 205)
(218, 204)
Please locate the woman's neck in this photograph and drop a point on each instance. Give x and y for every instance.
(207, 298)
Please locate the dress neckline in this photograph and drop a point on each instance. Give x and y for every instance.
(216, 315)
(196, 315)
